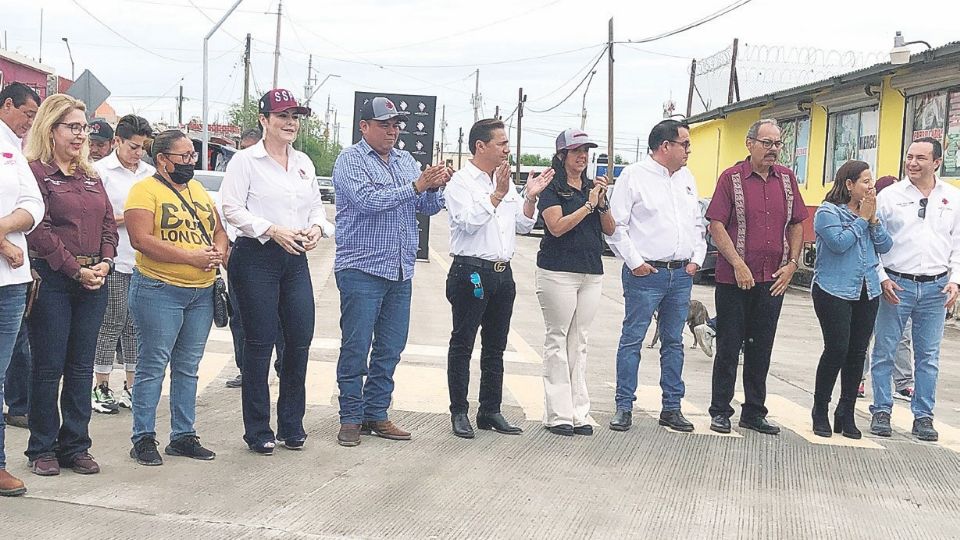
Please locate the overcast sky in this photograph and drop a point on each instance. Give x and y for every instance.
(433, 47)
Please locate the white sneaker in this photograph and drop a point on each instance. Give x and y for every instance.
(126, 398)
(705, 336)
(102, 401)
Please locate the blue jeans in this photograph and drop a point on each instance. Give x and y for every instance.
(16, 391)
(239, 336)
(373, 311)
(275, 299)
(172, 325)
(64, 325)
(12, 301)
(668, 293)
(923, 303)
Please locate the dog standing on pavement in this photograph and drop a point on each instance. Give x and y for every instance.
(697, 315)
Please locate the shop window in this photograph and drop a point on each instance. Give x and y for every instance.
(852, 135)
(937, 114)
(795, 134)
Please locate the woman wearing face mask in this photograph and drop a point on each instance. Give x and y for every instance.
(119, 171)
(270, 195)
(846, 291)
(569, 273)
(180, 242)
(72, 250)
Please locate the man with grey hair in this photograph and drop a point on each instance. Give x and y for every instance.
(755, 220)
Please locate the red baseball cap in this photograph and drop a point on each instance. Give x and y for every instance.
(279, 100)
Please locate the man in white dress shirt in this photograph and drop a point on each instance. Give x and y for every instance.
(18, 107)
(485, 213)
(660, 237)
(919, 277)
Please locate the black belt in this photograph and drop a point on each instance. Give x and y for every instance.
(82, 260)
(669, 265)
(496, 266)
(912, 277)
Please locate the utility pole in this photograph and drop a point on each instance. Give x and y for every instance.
(40, 59)
(326, 120)
(733, 89)
(496, 112)
(180, 107)
(246, 74)
(460, 149)
(476, 95)
(610, 168)
(336, 128)
(443, 131)
(583, 106)
(276, 50)
(638, 151)
(521, 98)
(308, 86)
(693, 84)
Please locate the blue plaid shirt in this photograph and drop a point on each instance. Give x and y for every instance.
(376, 211)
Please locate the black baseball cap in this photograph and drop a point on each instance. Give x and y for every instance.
(101, 130)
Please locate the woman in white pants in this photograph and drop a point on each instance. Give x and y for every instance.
(569, 274)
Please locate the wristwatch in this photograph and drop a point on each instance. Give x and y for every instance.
(795, 263)
(110, 263)
(415, 190)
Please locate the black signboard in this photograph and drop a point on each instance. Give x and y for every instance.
(416, 137)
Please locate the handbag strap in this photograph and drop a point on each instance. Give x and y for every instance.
(189, 207)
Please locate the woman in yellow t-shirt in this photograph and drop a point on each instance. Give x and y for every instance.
(171, 293)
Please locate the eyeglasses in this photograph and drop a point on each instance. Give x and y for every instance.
(76, 127)
(922, 212)
(684, 144)
(767, 143)
(185, 158)
(477, 286)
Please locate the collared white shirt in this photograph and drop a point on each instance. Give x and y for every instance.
(657, 215)
(257, 193)
(10, 137)
(927, 246)
(477, 228)
(118, 180)
(18, 190)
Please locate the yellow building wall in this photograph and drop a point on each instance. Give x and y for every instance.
(717, 145)
(890, 136)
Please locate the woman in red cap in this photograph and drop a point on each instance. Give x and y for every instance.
(270, 195)
(569, 273)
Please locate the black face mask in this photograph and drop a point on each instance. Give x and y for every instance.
(181, 173)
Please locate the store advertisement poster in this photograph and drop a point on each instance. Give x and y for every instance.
(929, 115)
(867, 143)
(951, 147)
(846, 134)
(788, 134)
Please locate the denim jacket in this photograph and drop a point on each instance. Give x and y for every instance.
(848, 251)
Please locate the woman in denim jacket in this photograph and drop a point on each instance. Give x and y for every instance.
(846, 290)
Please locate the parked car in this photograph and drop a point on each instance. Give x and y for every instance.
(327, 193)
(210, 180)
(709, 267)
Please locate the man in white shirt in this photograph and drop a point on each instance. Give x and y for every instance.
(919, 277)
(18, 107)
(486, 213)
(119, 171)
(660, 237)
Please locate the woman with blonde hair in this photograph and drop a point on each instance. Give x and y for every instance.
(72, 250)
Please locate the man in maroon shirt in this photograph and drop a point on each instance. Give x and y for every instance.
(755, 217)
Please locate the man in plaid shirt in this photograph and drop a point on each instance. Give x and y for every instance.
(379, 190)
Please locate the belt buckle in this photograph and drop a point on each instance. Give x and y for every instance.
(499, 266)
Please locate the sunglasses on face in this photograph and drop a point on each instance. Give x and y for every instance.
(477, 286)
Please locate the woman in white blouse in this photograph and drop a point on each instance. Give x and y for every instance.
(270, 195)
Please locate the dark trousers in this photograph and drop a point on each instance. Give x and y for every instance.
(16, 392)
(846, 326)
(745, 319)
(491, 314)
(236, 330)
(269, 284)
(64, 325)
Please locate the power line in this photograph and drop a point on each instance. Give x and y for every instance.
(715, 15)
(575, 88)
(124, 38)
(575, 75)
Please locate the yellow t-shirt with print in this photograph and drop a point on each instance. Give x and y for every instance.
(173, 223)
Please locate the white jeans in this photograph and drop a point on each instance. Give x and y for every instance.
(569, 302)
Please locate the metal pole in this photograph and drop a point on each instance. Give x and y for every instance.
(306, 85)
(693, 83)
(206, 91)
(522, 98)
(276, 50)
(443, 131)
(638, 151)
(180, 108)
(583, 106)
(246, 75)
(315, 90)
(476, 96)
(40, 59)
(610, 103)
(460, 149)
(733, 71)
(70, 53)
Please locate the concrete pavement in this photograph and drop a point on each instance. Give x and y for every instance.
(644, 483)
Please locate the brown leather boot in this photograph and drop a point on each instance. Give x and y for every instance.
(385, 429)
(10, 486)
(349, 435)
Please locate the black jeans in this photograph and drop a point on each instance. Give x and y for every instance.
(748, 319)
(492, 313)
(271, 284)
(846, 326)
(64, 325)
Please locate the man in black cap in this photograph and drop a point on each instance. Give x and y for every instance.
(379, 190)
(101, 139)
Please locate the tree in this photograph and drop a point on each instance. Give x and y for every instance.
(618, 159)
(534, 160)
(311, 139)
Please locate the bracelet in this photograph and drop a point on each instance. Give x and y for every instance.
(795, 263)
(589, 206)
(415, 190)
(528, 199)
(497, 197)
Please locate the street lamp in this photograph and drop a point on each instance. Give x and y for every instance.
(205, 144)
(900, 54)
(319, 85)
(69, 52)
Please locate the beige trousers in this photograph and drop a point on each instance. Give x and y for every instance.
(569, 302)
